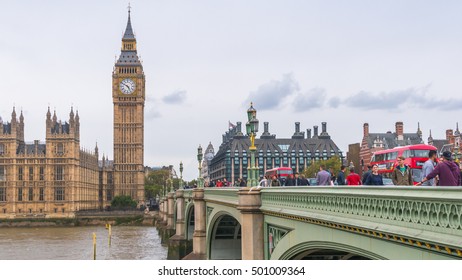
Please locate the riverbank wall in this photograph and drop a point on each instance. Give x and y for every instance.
(122, 218)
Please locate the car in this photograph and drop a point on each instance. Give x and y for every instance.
(313, 181)
(387, 182)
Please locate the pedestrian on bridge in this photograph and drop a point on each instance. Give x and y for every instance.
(353, 178)
(264, 182)
(323, 177)
(341, 176)
(275, 182)
(428, 167)
(374, 179)
(402, 175)
(447, 171)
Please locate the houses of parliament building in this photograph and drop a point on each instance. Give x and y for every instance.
(58, 178)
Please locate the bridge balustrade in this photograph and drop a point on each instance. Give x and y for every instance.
(423, 217)
(426, 219)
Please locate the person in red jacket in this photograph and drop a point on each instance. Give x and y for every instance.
(353, 179)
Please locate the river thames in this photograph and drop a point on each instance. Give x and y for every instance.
(76, 243)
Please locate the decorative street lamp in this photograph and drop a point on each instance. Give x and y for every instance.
(351, 165)
(200, 183)
(164, 187)
(181, 175)
(170, 183)
(252, 129)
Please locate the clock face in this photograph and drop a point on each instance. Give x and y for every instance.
(127, 86)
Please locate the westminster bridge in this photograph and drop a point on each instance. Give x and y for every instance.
(313, 223)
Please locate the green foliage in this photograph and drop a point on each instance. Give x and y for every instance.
(137, 220)
(123, 202)
(192, 183)
(155, 182)
(333, 162)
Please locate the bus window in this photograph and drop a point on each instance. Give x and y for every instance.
(420, 153)
(407, 154)
(391, 156)
(284, 172)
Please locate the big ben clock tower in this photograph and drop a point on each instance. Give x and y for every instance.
(128, 95)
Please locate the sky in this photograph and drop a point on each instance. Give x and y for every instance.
(340, 62)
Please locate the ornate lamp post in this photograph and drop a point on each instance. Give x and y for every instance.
(181, 175)
(252, 129)
(170, 184)
(200, 183)
(351, 165)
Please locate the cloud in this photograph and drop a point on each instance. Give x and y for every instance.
(334, 102)
(398, 99)
(151, 112)
(176, 97)
(272, 94)
(385, 101)
(314, 98)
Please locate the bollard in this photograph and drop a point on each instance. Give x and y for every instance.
(94, 246)
(110, 235)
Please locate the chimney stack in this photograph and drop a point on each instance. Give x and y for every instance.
(366, 129)
(324, 127)
(308, 134)
(399, 130)
(266, 134)
(297, 127)
(449, 134)
(315, 128)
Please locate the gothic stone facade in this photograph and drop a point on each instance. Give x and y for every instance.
(58, 178)
(51, 179)
(128, 95)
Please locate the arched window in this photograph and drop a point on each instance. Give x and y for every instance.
(60, 149)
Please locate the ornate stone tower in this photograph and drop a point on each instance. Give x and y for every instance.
(128, 95)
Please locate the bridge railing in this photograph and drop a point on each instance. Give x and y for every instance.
(430, 216)
(226, 195)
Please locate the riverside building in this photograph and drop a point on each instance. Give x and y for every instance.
(233, 157)
(58, 178)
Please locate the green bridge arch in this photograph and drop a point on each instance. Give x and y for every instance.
(322, 222)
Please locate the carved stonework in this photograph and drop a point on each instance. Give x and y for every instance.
(275, 234)
(209, 210)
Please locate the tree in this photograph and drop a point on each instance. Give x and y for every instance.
(155, 182)
(334, 163)
(192, 183)
(123, 202)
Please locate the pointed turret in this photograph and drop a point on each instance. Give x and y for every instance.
(129, 30)
(21, 127)
(430, 138)
(457, 132)
(13, 116)
(128, 56)
(419, 132)
(96, 149)
(77, 125)
(55, 118)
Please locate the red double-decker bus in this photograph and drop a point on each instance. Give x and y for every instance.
(415, 156)
(280, 172)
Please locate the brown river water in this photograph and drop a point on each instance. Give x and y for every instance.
(76, 243)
